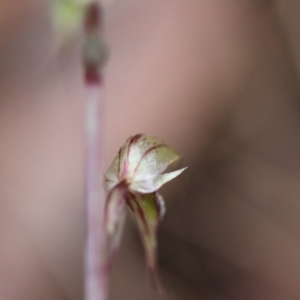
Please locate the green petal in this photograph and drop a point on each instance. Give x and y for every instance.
(148, 210)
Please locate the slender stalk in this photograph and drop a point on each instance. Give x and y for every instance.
(96, 271)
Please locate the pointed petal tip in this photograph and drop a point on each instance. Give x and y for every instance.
(156, 281)
(164, 178)
(150, 185)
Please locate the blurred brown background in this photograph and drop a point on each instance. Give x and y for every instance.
(216, 79)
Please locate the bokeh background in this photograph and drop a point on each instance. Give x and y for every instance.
(216, 79)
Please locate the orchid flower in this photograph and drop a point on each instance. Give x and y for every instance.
(132, 180)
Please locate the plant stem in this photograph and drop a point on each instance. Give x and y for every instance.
(96, 271)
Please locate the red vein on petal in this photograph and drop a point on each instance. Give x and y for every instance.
(141, 214)
(108, 180)
(119, 164)
(133, 140)
(145, 154)
(129, 203)
(122, 189)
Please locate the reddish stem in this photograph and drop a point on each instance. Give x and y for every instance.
(96, 273)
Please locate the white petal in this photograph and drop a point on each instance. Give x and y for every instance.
(150, 185)
(123, 163)
(111, 177)
(155, 161)
(144, 155)
(141, 162)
